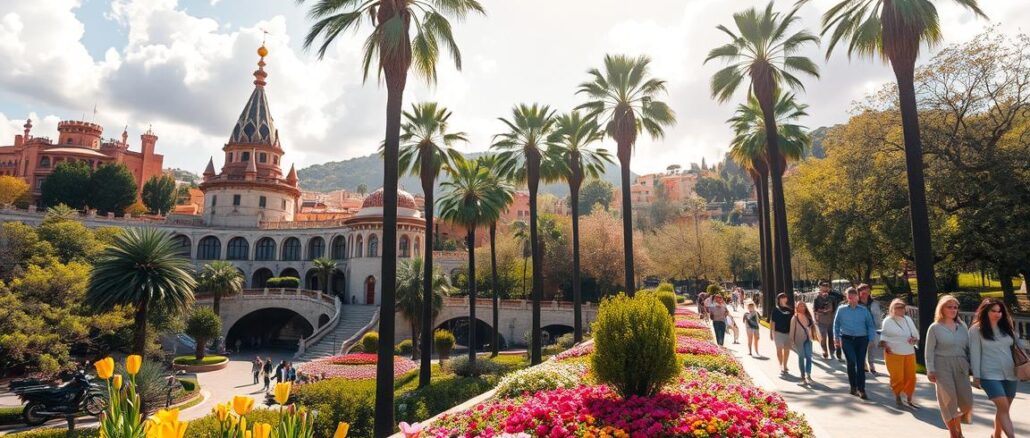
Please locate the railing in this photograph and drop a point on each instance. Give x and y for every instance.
(307, 294)
(516, 304)
(303, 343)
(346, 346)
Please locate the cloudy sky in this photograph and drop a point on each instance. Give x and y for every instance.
(184, 67)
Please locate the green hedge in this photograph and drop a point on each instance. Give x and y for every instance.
(189, 359)
(340, 400)
(207, 426)
(444, 393)
(10, 415)
(291, 282)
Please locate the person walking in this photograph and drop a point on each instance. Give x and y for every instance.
(991, 340)
(701, 310)
(803, 332)
(852, 328)
(780, 333)
(866, 299)
(898, 337)
(751, 326)
(266, 372)
(947, 365)
(279, 376)
(719, 314)
(255, 368)
(291, 375)
(824, 307)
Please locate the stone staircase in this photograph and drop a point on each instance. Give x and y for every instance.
(353, 319)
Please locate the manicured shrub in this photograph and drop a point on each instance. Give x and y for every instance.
(287, 282)
(403, 348)
(203, 325)
(546, 376)
(635, 345)
(190, 359)
(665, 287)
(207, 426)
(446, 391)
(680, 299)
(463, 367)
(443, 342)
(713, 289)
(370, 342)
(566, 341)
(150, 383)
(340, 400)
(668, 299)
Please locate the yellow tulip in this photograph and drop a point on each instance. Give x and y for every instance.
(242, 404)
(167, 415)
(105, 368)
(248, 434)
(282, 392)
(341, 430)
(132, 364)
(262, 430)
(222, 411)
(243, 423)
(117, 382)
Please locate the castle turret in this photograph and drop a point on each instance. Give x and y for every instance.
(209, 173)
(78, 133)
(148, 140)
(291, 178)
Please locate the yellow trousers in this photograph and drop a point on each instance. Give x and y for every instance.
(902, 369)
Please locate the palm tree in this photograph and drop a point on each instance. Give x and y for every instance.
(624, 97)
(520, 231)
(393, 51)
(895, 30)
(471, 199)
(220, 278)
(426, 149)
(521, 151)
(748, 149)
(325, 267)
(571, 142)
(765, 54)
(141, 268)
(491, 163)
(409, 296)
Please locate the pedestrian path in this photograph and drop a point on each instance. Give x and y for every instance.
(833, 412)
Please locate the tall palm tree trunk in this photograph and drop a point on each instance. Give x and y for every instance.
(922, 248)
(473, 322)
(395, 62)
(425, 346)
(627, 221)
(493, 286)
(534, 243)
(767, 101)
(139, 342)
(763, 263)
(770, 258)
(577, 297)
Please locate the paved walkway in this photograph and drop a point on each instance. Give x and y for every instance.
(833, 412)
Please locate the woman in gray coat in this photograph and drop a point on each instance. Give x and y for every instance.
(947, 365)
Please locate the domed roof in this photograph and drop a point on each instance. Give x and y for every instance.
(375, 199)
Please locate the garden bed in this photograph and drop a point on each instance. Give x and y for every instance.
(190, 364)
(354, 366)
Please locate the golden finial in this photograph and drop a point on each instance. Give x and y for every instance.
(262, 51)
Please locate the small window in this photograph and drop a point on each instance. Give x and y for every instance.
(236, 200)
(44, 162)
(245, 157)
(284, 204)
(214, 200)
(263, 158)
(229, 157)
(261, 202)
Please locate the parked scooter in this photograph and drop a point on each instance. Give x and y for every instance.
(45, 402)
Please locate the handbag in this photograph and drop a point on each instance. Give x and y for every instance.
(1021, 361)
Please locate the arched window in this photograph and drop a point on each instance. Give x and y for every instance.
(405, 248)
(373, 246)
(316, 248)
(262, 157)
(291, 250)
(265, 249)
(418, 247)
(209, 248)
(339, 250)
(245, 157)
(238, 249)
(183, 245)
(358, 248)
(44, 162)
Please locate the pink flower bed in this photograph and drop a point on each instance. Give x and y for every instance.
(354, 359)
(690, 408)
(690, 324)
(689, 345)
(685, 311)
(326, 367)
(577, 351)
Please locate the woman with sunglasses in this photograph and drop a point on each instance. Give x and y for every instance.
(947, 365)
(898, 337)
(991, 339)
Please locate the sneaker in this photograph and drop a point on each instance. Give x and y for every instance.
(862, 395)
(854, 391)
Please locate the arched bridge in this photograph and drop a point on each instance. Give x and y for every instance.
(275, 317)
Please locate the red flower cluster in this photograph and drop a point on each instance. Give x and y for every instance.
(354, 359)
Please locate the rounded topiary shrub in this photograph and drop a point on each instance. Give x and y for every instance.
(566, 341)
(665, 287)
(713, 289)
(635, 345)
(668, 299)
(370, 342)
(443, 342)
(461, 366)
(287, 282)
(403, 348)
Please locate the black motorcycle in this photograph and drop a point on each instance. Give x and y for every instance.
(44, 402)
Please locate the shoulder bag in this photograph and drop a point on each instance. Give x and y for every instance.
(1021, 361)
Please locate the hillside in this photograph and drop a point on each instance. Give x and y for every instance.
(368, 170)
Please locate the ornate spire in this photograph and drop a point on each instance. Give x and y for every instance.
(210, 171)
(255, 124)
(259, 74)
(28, 127)
(291, 177)
(125, 135)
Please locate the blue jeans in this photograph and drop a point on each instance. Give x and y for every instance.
(720, 331)
(804, 352)
(854, 350)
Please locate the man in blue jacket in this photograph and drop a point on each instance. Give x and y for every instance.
(852, 329)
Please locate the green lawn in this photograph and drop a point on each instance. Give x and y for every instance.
(967, 282)
(190, 359)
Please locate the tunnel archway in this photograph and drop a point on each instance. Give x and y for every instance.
(460, 327)
(554, 331)
(274, 327)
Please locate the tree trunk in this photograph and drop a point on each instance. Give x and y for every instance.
(473, 322)
(198, 351)
(922, 248)
(414, 341)
(627, 221)
(577, 297)
(494, 342)
(217, 301)
(763, 265)
(139, 343)
(1007, 289)
(395, 65)
(766, 100)
(425, 347)
(534, 244)
(771, 274)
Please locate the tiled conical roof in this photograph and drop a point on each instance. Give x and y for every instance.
(255, 124)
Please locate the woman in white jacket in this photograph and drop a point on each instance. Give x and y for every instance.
(898, 337)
